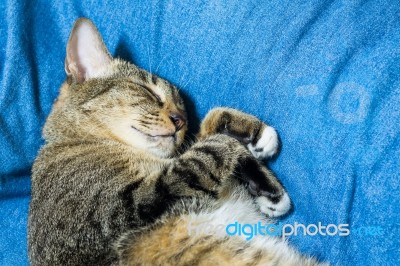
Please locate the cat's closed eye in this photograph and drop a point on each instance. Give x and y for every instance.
(151, 92)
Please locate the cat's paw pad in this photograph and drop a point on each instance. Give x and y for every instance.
(274, 207)
(267, 145)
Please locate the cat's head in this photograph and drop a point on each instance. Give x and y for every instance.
(113, 99)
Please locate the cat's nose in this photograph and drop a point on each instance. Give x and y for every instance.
(178, 119)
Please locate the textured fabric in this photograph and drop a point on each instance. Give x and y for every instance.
(325, 74)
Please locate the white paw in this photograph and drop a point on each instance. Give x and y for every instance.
(267, 145)
(274, 209)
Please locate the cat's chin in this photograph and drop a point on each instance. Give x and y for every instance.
(162, 146)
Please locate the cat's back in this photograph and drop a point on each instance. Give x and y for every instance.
(77, 158)
(76, 184)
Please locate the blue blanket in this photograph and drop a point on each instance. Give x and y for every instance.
(325, 74)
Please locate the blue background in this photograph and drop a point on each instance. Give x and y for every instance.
(325, 74)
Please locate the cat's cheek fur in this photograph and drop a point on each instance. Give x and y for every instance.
(267, 145)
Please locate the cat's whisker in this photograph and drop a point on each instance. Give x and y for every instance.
(159, 64)
(149, 58)
(187, 83)
(182, 78)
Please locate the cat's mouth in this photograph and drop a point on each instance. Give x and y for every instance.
(173, 135)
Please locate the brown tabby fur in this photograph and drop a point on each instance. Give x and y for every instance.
(108, 187)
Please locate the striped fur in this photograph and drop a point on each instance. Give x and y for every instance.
(109, 188)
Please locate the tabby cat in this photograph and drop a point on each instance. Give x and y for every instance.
(109, 187)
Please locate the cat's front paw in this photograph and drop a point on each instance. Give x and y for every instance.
(270, 195)
(267, 145)
(274, 207)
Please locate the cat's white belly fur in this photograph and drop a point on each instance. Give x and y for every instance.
(240, 207)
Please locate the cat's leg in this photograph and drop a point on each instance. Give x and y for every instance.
(202, 170)
(260, 139)
(208, 163)
(269, 193)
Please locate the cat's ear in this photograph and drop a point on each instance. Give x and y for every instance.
(86, 53)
